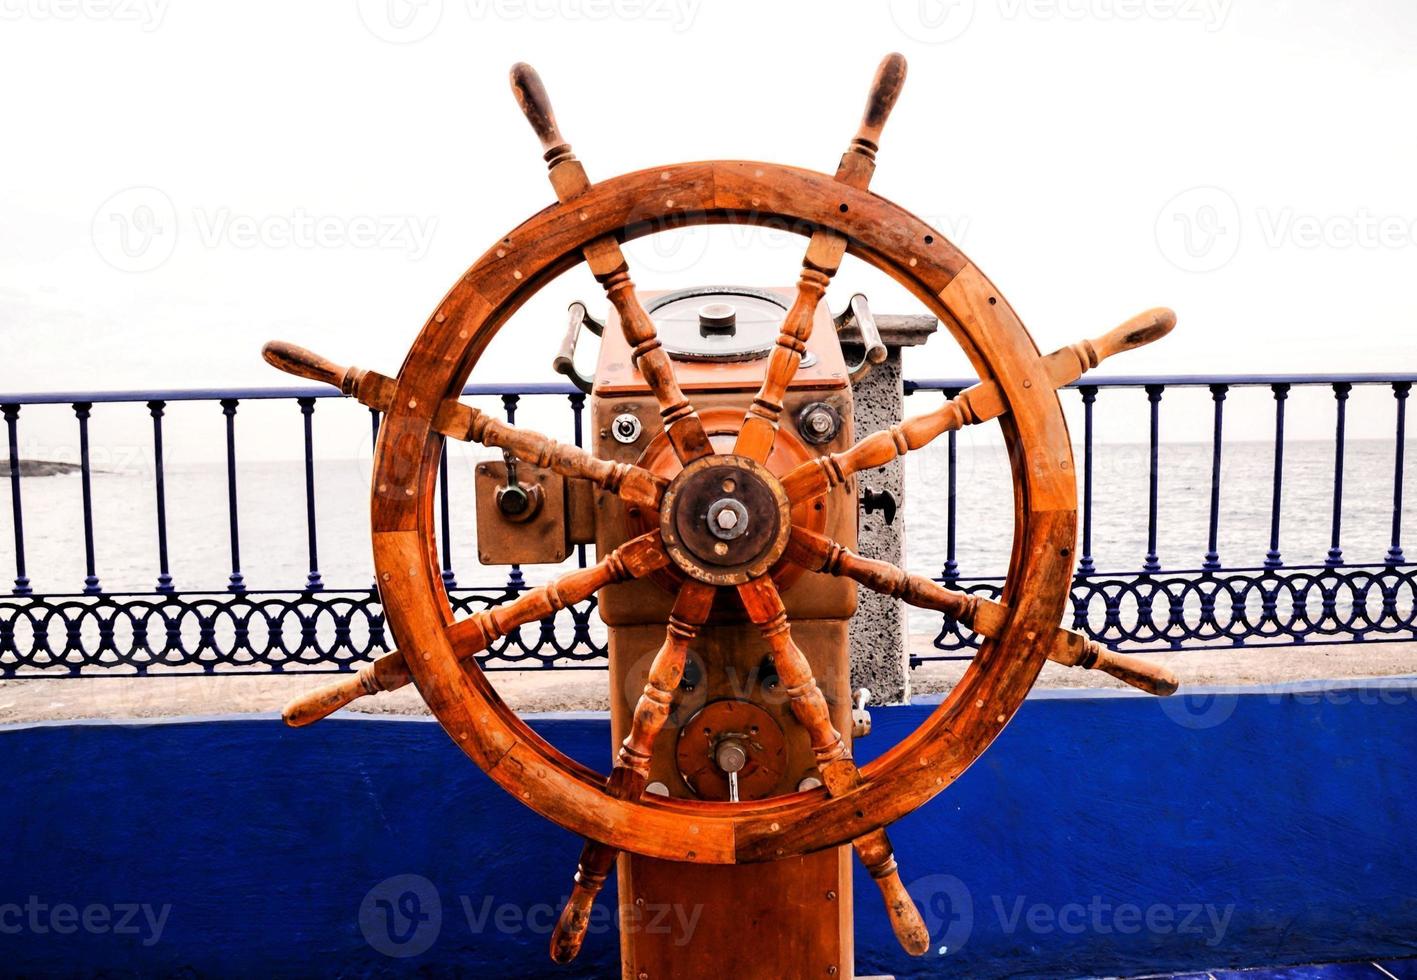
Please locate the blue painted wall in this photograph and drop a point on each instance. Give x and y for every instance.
(1100, 835)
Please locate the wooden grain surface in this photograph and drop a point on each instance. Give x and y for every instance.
(881, 234)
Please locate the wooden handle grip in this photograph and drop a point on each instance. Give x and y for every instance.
(322, 702)
(1137, 332)
(885, 90)
(570, 931)
(906, 923)
(388, 673)
(875, 852)
(302, 363)
(535, 104)
(1141, 674)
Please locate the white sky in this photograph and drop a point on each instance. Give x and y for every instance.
(1248, 162)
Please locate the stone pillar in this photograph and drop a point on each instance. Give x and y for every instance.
(880, 655)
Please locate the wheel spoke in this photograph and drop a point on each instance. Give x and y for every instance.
(632, 484)
(458, 421)
(821, 474)
(834, 762)
(976, 404)
(986, 617)
(765, 609)
(823, 258)
(818, 553)
(627, 781)
(468, 637)
(607, 263)
(691, 611)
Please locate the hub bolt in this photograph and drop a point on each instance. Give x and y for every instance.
(819, 423)
(727, 519)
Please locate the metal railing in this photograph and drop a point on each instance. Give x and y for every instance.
(1266, 604)
(316, 627)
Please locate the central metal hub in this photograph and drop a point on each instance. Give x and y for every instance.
(725, 520)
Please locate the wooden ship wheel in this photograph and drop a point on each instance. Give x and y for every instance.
(724, 539)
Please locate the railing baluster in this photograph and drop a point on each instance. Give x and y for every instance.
(1089, 396)
(12, 420)
(235, 581)
(1399, 391)
(1335, 547)
(307, 412)
(578, 436)
(450, 581)
(81, 412)
(1272, 558)
(164, 573)
(1212, 554)
(1153, 395)
(509, 403)
(951, 570)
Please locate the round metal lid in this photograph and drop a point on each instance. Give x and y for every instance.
(718, 323)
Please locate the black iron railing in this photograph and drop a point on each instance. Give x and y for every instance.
(1265, 604)
(46, 630)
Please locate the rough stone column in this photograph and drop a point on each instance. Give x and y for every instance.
(880, 657)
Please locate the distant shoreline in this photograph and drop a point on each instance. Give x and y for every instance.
(40, 467)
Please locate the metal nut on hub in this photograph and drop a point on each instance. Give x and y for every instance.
(727, 519)
(730, 755)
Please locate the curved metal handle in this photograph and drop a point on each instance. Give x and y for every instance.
(565, 360)
(858, 314)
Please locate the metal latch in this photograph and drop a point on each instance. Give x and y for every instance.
(879, 500)
(516, 501)
(860, 717)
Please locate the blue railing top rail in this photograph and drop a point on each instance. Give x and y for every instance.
(245, 394)
(1186, 380)
(561, 388)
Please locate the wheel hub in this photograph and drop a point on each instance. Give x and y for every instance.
(725, 520)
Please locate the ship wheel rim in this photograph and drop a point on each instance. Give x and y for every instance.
(885, 236)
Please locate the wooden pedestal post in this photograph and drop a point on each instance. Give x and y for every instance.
(777, 920)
